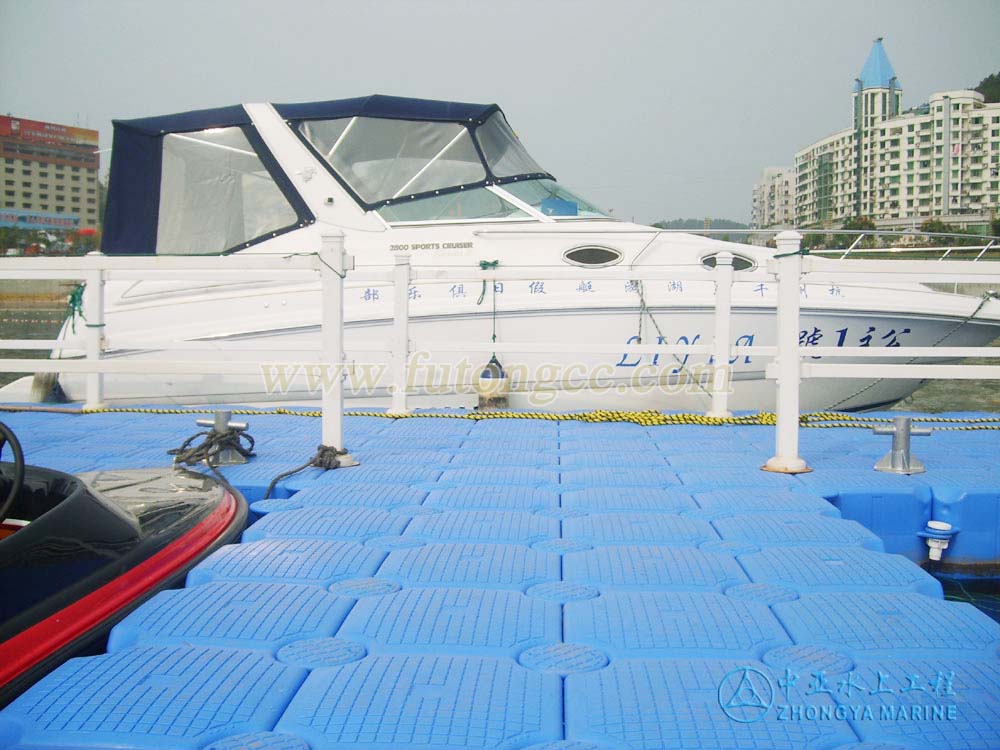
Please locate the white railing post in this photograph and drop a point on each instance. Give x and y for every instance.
(93, 314)
(788, 362)
(721, 372)
(400, 332)
(334, 265)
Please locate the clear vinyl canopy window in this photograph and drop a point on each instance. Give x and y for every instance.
(215, 194)
(387, 161)
(503, 151)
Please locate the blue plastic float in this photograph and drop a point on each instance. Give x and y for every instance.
(544, 585)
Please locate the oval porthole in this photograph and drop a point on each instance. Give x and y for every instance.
(740, 262)
(592, 256)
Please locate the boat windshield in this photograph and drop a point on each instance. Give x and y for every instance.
(552, 199)
(475, 203)
(386, 161)
(506, 201)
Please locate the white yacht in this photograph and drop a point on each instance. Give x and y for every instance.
(451, 185)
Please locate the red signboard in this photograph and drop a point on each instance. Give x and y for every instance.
(37, 220)
(46, 132)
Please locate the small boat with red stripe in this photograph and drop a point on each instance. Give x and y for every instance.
(78, 553)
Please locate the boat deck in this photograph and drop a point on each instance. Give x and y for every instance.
(557, 585)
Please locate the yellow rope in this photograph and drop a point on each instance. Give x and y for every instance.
(823, 419)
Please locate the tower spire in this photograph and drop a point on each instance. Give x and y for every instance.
(877, 72)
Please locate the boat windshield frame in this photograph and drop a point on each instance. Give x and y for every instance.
(493, 119)
(526, 213)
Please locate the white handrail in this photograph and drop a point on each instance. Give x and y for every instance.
(563, 273)
(334, 264)
(793, 269)
(93, 302)
(828, 270)
(330, 263)
(903, 371)
(127, 366)
(720, 336)
(721, 276)
(57, 267)
(786, 459)
(400, 332)
(792, 361)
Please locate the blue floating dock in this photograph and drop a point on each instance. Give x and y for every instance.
(544, 585)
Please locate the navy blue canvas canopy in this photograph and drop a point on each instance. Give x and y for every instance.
(388, 107)
(186, 122)
(131, 216)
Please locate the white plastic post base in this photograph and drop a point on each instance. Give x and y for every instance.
(347, 460)
(781, 465)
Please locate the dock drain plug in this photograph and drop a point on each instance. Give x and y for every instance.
(938, 536)
(899, 460)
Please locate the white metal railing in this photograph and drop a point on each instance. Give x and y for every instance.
(331, 264)
(989, 244)
(788, 369)
(720, 349)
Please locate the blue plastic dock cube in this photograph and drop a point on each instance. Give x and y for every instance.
(895, 516)
(175, 697)
(976, 515)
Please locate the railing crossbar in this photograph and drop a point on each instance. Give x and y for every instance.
(325, 272)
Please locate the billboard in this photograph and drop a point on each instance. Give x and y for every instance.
(46, 132)
(38, 220)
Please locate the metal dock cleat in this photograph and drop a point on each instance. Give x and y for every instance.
(899, 460)
(227, 436)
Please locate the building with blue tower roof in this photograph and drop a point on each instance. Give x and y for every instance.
(938, 160)
(877, 72)
(877, 97)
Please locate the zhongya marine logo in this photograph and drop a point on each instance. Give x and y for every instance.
(745, 695)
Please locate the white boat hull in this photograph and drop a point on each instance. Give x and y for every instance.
(551, 381)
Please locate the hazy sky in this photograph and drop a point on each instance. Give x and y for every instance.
(655, 109)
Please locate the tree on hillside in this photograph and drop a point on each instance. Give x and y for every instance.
(990, 88)
(698, 225)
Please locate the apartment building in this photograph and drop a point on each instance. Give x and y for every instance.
(939, 160)
(49, 173)
(773, 199)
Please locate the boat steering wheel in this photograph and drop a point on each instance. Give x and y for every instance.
(17, 480)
